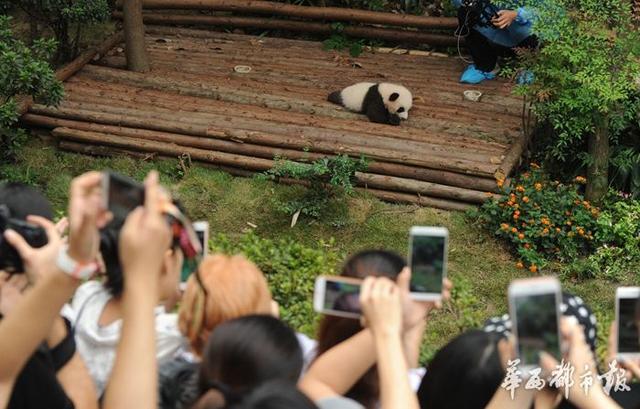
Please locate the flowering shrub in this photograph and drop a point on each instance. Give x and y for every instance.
(541, 219)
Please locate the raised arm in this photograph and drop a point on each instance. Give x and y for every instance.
(144, 239)
(381, 303)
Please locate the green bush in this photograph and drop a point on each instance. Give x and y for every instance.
(542, 220)
(327, 180)
(66, 19)
(23, 71)
(618, 239)
(291, 269)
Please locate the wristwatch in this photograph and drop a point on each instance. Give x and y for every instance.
(79, 271)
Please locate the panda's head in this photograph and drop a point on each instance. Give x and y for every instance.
(397, 99)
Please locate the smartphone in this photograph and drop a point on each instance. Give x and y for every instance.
(628, 322)
(202, 231)
(428, 260)
(121, 195)
(339, 296)
(534, 306)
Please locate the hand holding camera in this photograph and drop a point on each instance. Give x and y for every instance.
(145, 237)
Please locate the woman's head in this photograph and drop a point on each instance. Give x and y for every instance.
(169, 276)
(235, 287)
(270, 395)
(334, 330)
(248, 351)
(472, 359)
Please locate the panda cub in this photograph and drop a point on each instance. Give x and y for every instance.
(383, 103)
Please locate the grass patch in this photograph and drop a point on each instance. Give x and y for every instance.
(480, 265)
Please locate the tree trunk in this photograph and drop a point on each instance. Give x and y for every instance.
(598, 171)
(135, 48)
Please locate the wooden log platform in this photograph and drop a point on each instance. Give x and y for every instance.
(447, 155)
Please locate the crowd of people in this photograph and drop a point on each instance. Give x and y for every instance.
(97, 319)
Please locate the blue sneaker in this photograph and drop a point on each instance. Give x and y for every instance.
(525, 78)
(472, 75)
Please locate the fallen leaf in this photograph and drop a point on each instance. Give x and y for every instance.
(294, 219)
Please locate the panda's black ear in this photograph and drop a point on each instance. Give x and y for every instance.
(394, 96)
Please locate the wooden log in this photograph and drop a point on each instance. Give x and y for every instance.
(74, 66)
(394, 197)
(408, 36)
(421, 187)
(229, 131)
(259, 164)
(383, 168)
(317, 13)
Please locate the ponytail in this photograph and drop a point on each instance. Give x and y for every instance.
(217, 396)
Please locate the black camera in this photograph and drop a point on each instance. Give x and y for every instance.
(35, 236)
(477, 13)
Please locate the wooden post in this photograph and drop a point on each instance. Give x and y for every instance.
(135, 48)
(598, 170)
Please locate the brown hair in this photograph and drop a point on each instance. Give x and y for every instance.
(334, 330)
(235, 287)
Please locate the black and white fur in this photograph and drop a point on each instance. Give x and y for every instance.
(383, 103)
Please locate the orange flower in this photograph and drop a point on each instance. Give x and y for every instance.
(516, 217)
(527, 246)
(580, 179)
(510, 203)
(521, 236)
(534, 165)
(533, 268)
(519, 264)
(504, 226)
(500, 183)
(525, 199)
(514, 230)
(520, 188)
(558, 230)
(568, 222)
(517, 212)
(538, 186)
(581, 232)
(545, 231)
(544, 221)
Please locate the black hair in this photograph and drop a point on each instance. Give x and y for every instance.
(109, 251)
(379, 263)
(334, 330)
(270, 395)
(465, 373)
(245, 352)
(23, 200)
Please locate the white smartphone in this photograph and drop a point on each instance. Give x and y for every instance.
(202, 231)
(534, 306)
(339, 296)
(428, 247)
(628, 322)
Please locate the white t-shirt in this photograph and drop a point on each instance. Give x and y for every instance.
(97, 344)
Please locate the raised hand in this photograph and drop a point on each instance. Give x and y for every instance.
(38, 262)
(86, 216)
(381, 305)
(416, 312)
(145, 236)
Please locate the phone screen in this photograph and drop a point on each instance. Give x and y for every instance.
(537, 327)
(427, 264)
(342, 297)
(201, 238)
(628, 320)
(124, 196)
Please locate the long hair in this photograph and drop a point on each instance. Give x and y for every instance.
(334, 330)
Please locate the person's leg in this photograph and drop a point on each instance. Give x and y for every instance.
(482, 51)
